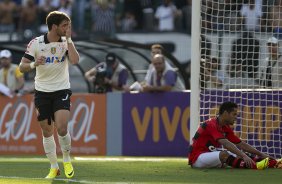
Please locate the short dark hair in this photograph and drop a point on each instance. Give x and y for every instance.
(227, 106)
(56, 17)
(157, 46)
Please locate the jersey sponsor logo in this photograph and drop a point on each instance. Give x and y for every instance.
(53, 50)
(212, 148)
(54, 59)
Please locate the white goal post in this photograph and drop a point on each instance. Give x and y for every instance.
(236, 57)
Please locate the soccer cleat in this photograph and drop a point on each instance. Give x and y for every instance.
(69, 172)
(278, 164)
(53, 173)
(262, 164)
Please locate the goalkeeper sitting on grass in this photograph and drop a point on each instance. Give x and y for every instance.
(206, 150)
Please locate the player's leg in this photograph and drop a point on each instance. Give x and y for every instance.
(208, 160)
(237, 162)
(43, 106)
(61, 119)
(232, 160)
(61, 108)
(50, 147)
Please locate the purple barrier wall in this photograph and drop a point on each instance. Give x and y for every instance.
(156, 124)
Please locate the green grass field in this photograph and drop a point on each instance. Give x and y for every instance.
(130, 170)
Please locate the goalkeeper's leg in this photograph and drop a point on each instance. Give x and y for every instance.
(273, 163)
(237, 162)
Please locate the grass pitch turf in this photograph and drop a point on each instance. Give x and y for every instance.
(130, 170)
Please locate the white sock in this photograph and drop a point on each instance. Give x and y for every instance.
(65, 143)
(50, 150)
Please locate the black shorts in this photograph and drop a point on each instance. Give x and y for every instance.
(47, 103)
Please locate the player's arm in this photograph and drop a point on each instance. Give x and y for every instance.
(72, 52)
(231, 147)
(27, 65)
(248, 148)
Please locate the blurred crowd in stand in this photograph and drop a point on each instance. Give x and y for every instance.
(254, 60)
(247, 15)
(104, 18)
(100, 17)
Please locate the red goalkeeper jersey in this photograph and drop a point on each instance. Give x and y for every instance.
(207, 136)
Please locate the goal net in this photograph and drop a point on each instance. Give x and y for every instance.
(239, 60)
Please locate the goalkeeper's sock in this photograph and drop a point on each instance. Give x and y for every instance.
(50, 150)
(272, 163)
(65, 143)
(237, 162)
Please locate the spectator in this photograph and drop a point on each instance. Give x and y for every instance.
(53, 3)
(163, 77)
(136, 8)
(79, 14)
(271, 69)
(213, 75)
(147, 15)
(10, 74)
(7, 11)
(108, 76)
(275, 19)
(128, 23)
(103, 17)
(213, 15)
(245, 52)
(232, 17)
(45, 7)
(187, 16)
(251, 14)
(28, 19)
(166, 14)
(66, 7)
(155, 49)
(205, 46)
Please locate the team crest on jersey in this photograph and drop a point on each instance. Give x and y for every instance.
(53, 50)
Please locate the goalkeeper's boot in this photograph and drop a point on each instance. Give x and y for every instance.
(278, 164)
(262, 164)
(53, 173)
(69, 172)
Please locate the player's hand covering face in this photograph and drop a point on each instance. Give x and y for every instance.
(64, 29)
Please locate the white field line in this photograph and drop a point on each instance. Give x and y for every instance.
(21, 159)
(128, 159)
(59, 179)
(101, 159)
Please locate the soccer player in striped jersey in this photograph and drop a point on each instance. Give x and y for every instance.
(50, 54)
(216, 145)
